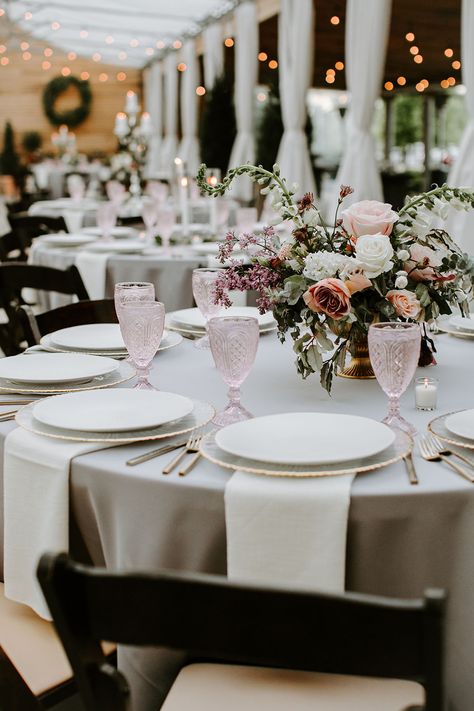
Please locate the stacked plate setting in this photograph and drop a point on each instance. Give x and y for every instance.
(304, 444)
(458, 326)
(191, 321)
(456, 428)
(100, 339)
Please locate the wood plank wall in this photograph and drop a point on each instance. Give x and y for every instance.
(21, 87)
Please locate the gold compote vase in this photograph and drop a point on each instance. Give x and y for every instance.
(359, 367)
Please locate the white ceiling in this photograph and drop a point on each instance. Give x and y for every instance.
(112, 26)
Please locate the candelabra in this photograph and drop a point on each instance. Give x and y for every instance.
(133, 136)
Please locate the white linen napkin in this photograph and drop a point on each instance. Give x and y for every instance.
(36, 508)
(93, 270)
(286, 530)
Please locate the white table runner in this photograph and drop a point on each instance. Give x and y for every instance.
(93, 270)
(36, 508)
(283, 530)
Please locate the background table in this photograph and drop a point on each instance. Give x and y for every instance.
(401, 538)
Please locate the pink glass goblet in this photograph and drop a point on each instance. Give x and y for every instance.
(166, 222)
(204, 292)
(394, 350)
(141, 324)
(132, 291)
(106, 219)
(116, 193)
(150, 218)
(234, 343)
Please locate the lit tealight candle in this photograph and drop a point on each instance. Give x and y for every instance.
(426, 393)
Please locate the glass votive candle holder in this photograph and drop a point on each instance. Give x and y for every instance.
(426, 393)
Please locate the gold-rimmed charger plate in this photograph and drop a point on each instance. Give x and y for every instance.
(199, 334)
(121, 374)
(439, 429)
(171, 340)
(400, 448)
(201, 414)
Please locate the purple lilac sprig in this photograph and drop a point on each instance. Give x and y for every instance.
(255, 277)
(245, 240)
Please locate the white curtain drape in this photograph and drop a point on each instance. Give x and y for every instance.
(153, 100)
(246, 73)
(461, 224)
(213, 54)
(367, 30)
(295, 54)
(169, 147)
(189, 146)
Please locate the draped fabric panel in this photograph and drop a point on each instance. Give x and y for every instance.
(213, 54)
(367, 30)
(153, 100)
(295, 53)
(461, 224)
(189, 146)
(246, 73)
(169, 148)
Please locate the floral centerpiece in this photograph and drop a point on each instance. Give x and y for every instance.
(370, 264)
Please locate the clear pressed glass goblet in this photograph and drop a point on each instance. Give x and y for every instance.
(234, 343)
(394, 350)
(204, 292)
(141, 324)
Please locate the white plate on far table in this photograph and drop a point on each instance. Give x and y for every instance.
(123, 246)
(115, 232)
(461, 424)
(89, 337)
(55, 368)
(66, 240)
(462, 323)
(118, 410)
(192, 318)
(305, 438)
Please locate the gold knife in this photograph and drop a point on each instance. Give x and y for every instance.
(155, 453)
(410, 467)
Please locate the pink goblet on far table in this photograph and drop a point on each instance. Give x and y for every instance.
(142, 324)
(204, 292)
(106, 218)
(234, 343)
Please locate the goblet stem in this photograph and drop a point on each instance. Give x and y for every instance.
(234, 396)
(395, 420)
(203, 343)
(142, 375)
(393, 407)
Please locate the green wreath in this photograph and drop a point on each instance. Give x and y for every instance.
(73, 117)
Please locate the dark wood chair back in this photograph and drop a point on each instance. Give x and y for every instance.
(15, 276)
(26, 227)
(78, 314)
(11, 249)
(214, 619)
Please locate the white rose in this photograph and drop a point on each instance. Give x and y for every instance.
(375, 252)
(401, 282)
(403, 255)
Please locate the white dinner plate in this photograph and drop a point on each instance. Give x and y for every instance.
(55, 368)
(66, 240)
(89, 337)
(117, 410)
(462, 323)
(123, 246)
(461, 424)
(305, 438)
(192, 318)
(116, 232)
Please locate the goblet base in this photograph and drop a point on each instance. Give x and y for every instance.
(144, 385)
(397, 422)
(203, 343)
(234, 412)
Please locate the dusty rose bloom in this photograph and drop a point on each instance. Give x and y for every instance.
(329, 296)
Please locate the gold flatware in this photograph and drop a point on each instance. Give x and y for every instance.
(192, 446)
(439, 446)
(410, 467)
(190, 465)
(5, 403)
(429, 452)
(154, 453)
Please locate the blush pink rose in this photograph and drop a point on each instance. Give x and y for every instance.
(426, 260)
(329, 296)
(405, 302)
(369, 217)
(357, 281)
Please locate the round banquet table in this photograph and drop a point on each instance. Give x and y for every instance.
(171, 273)
(401, 538)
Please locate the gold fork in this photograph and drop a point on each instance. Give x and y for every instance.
(192, 447)
(429, 452)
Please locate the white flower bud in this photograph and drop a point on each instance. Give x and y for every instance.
(403, 255)
(401, 282)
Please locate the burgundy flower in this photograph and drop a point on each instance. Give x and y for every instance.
(344, 191)
(306, 202)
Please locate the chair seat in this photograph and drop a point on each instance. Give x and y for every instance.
(216, 687)
(33, 646)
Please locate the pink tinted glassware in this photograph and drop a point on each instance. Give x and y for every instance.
(158, 191)
(234, 343)
(150, 218)
(204, 291)
(394, 350)
(141, 324)
(166, 222)
(106, 218)
(132, 291)
(116, 192)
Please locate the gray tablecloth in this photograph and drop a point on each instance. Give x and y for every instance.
(170, 275)
(401, 539)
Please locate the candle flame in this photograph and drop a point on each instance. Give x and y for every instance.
(177, 161)
(184, 182)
